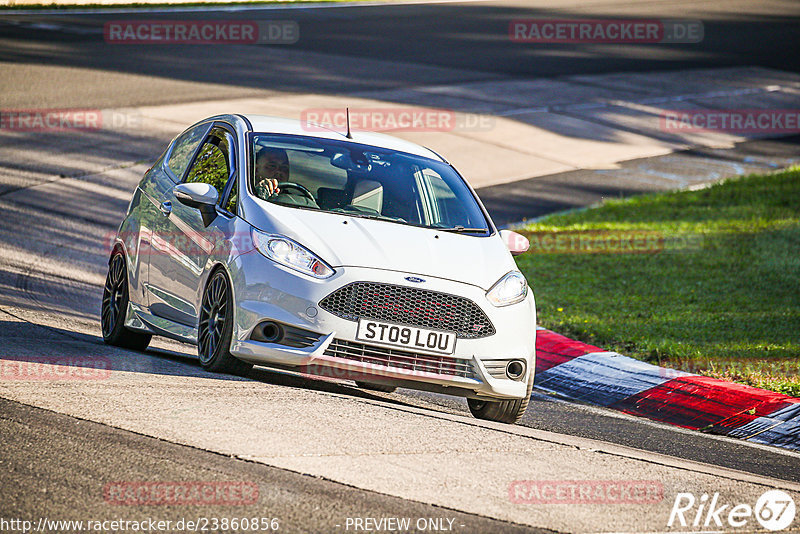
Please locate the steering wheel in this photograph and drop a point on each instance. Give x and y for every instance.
(292, 185)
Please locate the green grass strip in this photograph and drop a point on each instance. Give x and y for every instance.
(707, 281)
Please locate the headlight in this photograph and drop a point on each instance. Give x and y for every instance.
(290, 254)
(510, 289)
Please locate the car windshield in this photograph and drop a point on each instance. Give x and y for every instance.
(363, 181)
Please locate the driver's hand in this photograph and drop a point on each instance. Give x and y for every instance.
(267, 187)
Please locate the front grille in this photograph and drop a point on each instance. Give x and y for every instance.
(409, 306)
(400, 359)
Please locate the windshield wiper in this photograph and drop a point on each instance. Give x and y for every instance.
(368, 216)
(459, 229)
(373, 217)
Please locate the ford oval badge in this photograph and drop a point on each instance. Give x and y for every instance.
(414, 279)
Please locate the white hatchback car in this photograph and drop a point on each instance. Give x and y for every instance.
(266, 241)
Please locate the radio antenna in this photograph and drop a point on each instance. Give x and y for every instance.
(347, 114)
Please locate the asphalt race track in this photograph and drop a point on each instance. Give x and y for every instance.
(415, 44)
(320, 451)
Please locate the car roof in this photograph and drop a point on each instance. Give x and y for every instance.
(281, 125)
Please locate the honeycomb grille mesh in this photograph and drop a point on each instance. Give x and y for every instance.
(409, 306)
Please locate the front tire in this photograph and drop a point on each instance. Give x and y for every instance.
(115, 306)
(215, 329)
(508, 411)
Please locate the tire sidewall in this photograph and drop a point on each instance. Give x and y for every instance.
(119, 322)
(223, 346)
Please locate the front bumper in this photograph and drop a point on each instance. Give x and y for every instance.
(264, 290)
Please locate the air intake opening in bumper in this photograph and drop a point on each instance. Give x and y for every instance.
(400, 359)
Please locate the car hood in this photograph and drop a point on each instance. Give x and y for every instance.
(342, 241)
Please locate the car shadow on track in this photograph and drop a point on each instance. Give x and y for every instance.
(32, 351)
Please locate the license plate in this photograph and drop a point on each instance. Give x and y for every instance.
(409, 337)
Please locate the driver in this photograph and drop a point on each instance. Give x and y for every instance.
(272, 167)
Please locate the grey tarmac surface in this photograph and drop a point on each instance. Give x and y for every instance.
(70, 461)
(415, 44)
(347, 49)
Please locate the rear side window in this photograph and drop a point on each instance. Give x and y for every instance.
(183, 148)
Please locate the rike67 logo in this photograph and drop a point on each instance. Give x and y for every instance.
(774, 510)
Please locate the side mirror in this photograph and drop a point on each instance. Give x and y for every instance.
(516, 243)
(198, 195)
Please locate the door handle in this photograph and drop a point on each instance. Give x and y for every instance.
(166, 208)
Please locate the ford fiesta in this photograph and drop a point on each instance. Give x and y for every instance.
(273, 242)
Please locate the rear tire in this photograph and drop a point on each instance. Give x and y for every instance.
(508, 411)
(376, 387)
(115, 306)
(215, 329)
